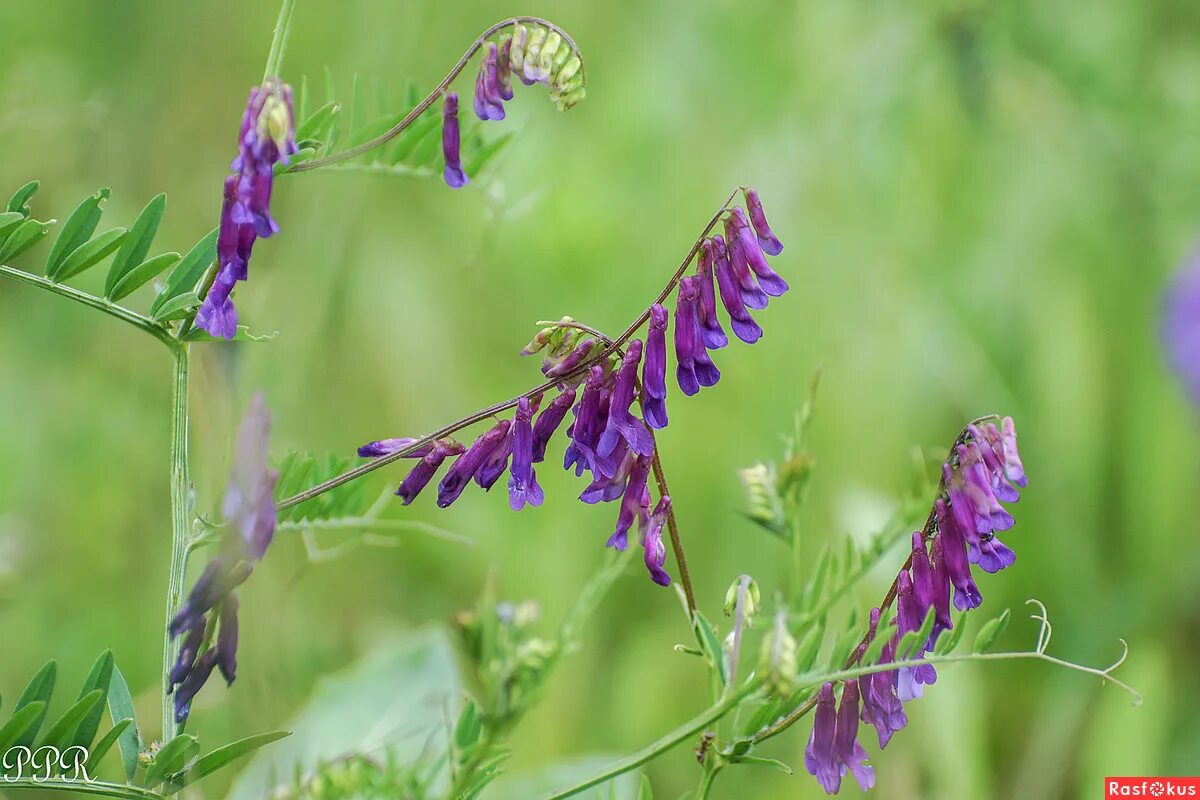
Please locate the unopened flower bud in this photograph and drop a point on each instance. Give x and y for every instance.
(750, 605)
(778, 658)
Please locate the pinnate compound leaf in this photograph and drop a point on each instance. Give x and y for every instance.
(137, 243)
(78, 228)
(27, 234)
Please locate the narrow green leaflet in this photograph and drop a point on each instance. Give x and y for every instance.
(172, 758)
(186, 276)
(39, 690)
(22, 725)
(711, 645)
(645, 791)
(20, 198)
(810, 645)
(142, 274)
(316, 127)
(480, 158)
(950, 639)
(78, 228)
(90, 254)
(27, 234)
(120, 706)
(62, 732)
(9, 221)
(99, 678)
(98, 751)
(137, 243)
(990, 633)
(177, 307)
(875, 648)
(416, 133)
(211, 762)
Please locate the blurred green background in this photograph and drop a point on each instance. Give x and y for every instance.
(980, 203)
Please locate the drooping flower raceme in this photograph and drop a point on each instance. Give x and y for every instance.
(249, 511)
(607, 438)
(983, 470)
(267, 136)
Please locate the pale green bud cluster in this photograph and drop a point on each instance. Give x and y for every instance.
(540, 55)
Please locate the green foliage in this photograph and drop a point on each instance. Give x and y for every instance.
(990, 633)
(299, 471)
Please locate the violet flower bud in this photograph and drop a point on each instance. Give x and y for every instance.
(923, 588)
(752, 294)
(1014, 470)
(686, 343)
(424, 470)
(465, 466)
(504, 68)
(192, 684)
(557, 368)
(548, 422)
(187, 652)
(954, 551)
(227, 638)
(766, 239)
(522, 482)
(768, 279)
(880, 705)
(714, 336)
(383, 447)
(635, 503)
(744, 326)
(451, 144)
(819, 757)
(621, 423)
(656, 552)
(654, 370)
(847, 750)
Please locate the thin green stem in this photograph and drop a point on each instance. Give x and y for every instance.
(671, 740)
(283, 27)
(490, 411)
(707, 778)
(135, 319)
(438, 91)
(180, 524)
(96, 788)
(797, 556)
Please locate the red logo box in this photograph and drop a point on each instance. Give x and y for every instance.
(1151, 786)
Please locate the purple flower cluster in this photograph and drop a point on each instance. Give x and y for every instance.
(607, 439)
(534, 54)
(983, 470)
(267, 136)
(249, 512)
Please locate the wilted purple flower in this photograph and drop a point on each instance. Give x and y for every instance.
(267, 136)
(522, 481)
(820, 757)
(656, 552)
(768, 279)
(383, 447)
(744, 326)
(766, 239)
(1181, 325)
(504, 68)
(752, 294)
(635, 504)
(880, 705)
(909, 617)
(621, 423)
(424, 470)
(451, 144)
(227, 638)
(654, 371)
(954, 551)
(548, 422)
(465, 466)
(714, 336)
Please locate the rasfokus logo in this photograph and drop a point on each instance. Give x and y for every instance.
(1156, 786)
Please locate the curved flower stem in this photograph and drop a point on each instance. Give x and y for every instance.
(95, 788)
(180, 522)
(433, 96)
(485, 413)
(135, 319)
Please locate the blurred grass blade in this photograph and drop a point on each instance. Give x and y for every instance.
(211, 762)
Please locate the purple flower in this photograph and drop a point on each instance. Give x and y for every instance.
(686, 342)
(972, 485)
(556, 366)
(621, 423)
(714, 336)
(465, 466)
(1181, 325)
(635, 503)
(451, 144)
(504, 68)
(766, 240)
(1014, 470)
(939, 580)
(744, 326)
(424, 470)
(522, 481)
(656, 552)
(585, 431)
(548, 422)
(249, 503)
(605, 488)
(992, 450)
(924, 590)
(654, 371)
(227, 638)
(820, 757)
(267, 136)
(752, 294)
(770, 282)
(192, 684)
(909, 617)
(847, 750)
(383, 447)
(954, 551)
(496, 463)
(488, 103)
(880, 705)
